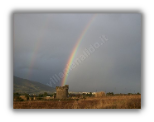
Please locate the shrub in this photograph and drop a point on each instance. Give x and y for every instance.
(17, 98)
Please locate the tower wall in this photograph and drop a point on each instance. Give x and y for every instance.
(62, 92)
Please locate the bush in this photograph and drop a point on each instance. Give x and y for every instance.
(39, 98)
(17, 98)
(109, 94)
(40, 95)
(27, 96)
(45, 94)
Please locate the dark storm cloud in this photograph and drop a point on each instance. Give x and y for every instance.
(44, 42)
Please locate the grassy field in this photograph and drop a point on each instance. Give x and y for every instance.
(106, 102)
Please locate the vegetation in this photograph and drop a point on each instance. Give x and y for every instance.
(78, 101)
(110, 94)
(17, 97)
(27, 96)
(106, 102)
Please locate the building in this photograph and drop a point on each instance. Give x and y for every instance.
(100, 94)
(93, 93)
(62, 92)
(85, 92)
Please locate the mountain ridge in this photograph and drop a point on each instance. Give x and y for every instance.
(21, 85)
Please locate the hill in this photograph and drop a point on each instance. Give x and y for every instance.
(26, 86)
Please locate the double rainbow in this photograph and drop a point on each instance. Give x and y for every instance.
(36, 49)
(71, 58)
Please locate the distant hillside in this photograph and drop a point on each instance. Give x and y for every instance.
(26, 86)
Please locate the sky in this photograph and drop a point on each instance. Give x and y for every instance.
(107, 57)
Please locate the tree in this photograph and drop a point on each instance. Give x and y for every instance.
(138, 93)
(90, 94)
(45, 94)
(110, 94)
(40, 95)
(27, 96)
(16, 94)
(17, 97)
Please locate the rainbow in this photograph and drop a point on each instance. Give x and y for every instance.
(71, 58)
(36, 49)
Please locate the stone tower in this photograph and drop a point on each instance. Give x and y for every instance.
(62, 92)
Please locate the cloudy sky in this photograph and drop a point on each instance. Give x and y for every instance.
(108, 57)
